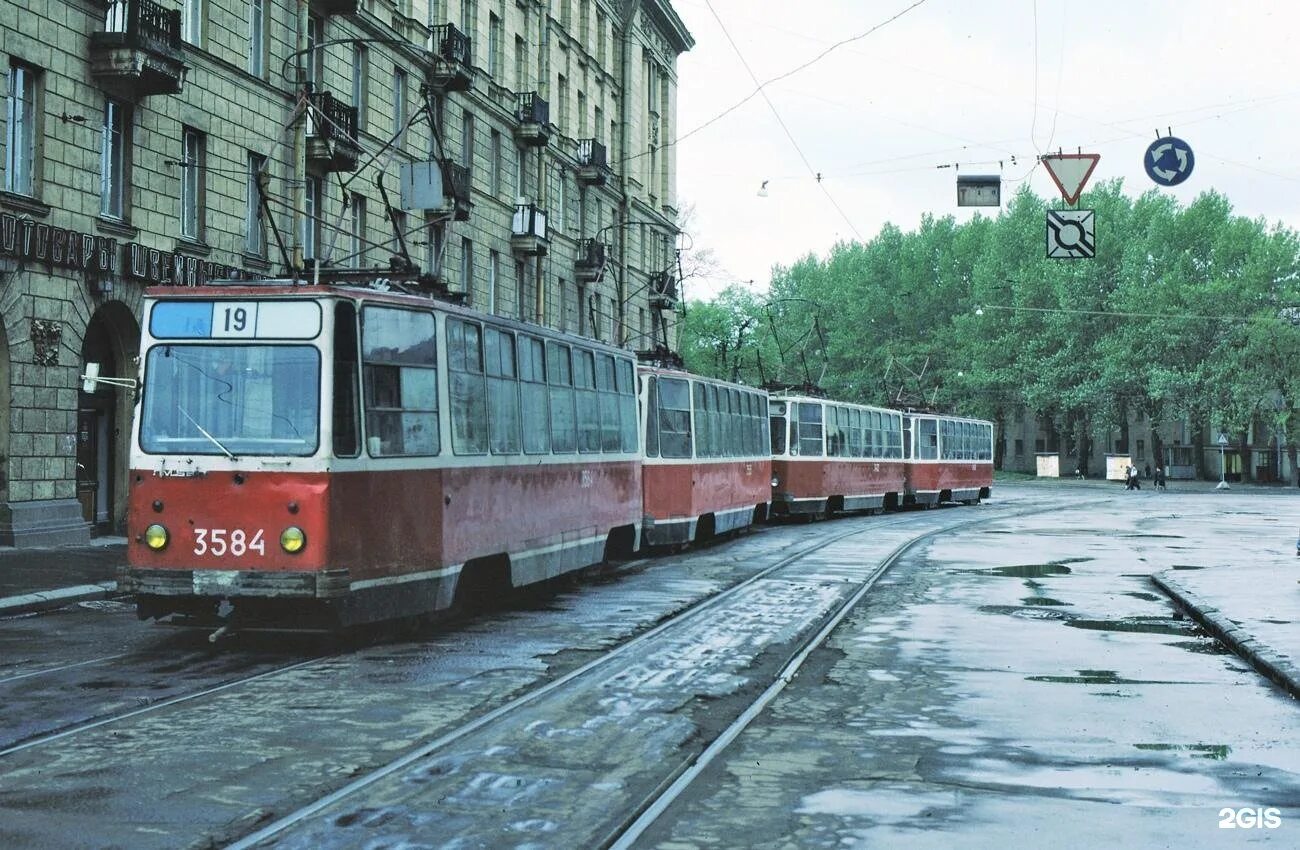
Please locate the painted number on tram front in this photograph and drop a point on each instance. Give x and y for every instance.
(233, 541)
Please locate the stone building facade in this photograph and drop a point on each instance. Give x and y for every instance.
(175, 141)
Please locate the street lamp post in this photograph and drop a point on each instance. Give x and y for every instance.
(1223, 467)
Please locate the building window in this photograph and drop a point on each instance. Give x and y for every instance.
(562, 103)
(399, 104)
(521, 171)
(582, 115)
(1020, 448)
(20, 131)
(114, 138)
(563, 323)
(467, 141)
(600, 38)
(192, 21)
(1141, 452)
(437, 229)
(467, 266)
(520, 286)
(398, 218)
(358, 228)
(314, 61)
(494, 177)
(495, 59)
(494, 264)
(192, 171)
(582, 310)
(469, 23)
(521, 65)
(311, 219)
(360, 83)
(254, 224)
(257, 38)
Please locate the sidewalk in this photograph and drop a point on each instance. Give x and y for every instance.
(40, 579)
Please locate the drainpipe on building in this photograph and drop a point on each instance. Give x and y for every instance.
(630, 10)
(300, 145)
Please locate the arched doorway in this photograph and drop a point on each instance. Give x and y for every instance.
(104, 418)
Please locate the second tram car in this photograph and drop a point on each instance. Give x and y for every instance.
(949, 459)
(321, 456)
(708, 466)
(830, 457)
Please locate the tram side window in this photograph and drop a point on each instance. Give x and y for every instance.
(810, 429)
(776, 433)
(652, 417)
(584, 382)
(347, 393)
(502, 391)
(625, 377)
(532, 389)
(399, 361)
(927, 439)
(833, 432)
(674, 418)
(559, 374)
(704, 438)
(610, 425)
(752, 437)
(468, 392)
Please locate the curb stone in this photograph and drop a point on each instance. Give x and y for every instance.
(47, 600)
(1278, 668)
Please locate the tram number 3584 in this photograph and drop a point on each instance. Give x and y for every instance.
(236, 541)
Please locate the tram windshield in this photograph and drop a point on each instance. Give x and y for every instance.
(231, 400)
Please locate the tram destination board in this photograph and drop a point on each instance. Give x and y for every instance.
(222, 319)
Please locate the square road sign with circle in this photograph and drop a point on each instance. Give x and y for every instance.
(1071, 234)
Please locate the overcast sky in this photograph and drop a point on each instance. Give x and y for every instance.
(974, 84)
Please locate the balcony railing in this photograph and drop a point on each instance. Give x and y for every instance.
(591, 153)
(447, 42)
(331, 118)
(663, 289)
(591, 253)
(456, 185)
(530, 108)
(138, 52)
(529, 220)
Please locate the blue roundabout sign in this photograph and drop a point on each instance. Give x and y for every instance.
(1169, 161)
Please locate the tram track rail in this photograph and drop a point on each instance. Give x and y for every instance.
(686, 773)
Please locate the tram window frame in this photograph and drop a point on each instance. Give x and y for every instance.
(811, 430)
(607, 391)
(467, 387)
(927, 437)
(778, 424)
(625, 383)
(501, 366)
(534, 397)
(345, 400)
(675, 434)
(401, 373)
(587, 400)
(700, 412)
(651, 417)
(560, 397)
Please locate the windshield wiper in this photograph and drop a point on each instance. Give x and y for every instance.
(214, 440)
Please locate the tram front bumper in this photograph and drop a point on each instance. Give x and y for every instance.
(230, 584)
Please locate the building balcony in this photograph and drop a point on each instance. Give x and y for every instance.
(663, 290)
(529, 236)
(335, 7)
(593, 164)
(331, 134)
(138, 52)
(590, 263)
(449, 48)
(534, 117)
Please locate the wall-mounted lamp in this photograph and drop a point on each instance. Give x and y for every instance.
(762, 190)
(979, 311)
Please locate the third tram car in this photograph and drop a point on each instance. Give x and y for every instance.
(829, 456)
(949, 459)
(319, 456)
(707, 467)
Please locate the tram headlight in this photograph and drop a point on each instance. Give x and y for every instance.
(292, 539)
(155, 537)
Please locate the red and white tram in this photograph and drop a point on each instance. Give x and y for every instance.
(949, 459)
(829, 456)
(707, 467)
(318, 456)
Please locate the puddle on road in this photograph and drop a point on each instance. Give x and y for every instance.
(1025, 571)
(1040, 613)
(1138, 594)
(1099, 677)
(1042, 600)
(1187, 567)
(1218, 752)
(1207, 646)
(1152, 625)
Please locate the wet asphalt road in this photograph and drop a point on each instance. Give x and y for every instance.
(1021, 681)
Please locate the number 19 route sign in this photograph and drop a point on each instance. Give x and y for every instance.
(1070, 172)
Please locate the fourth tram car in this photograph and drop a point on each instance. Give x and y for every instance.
(949, 459)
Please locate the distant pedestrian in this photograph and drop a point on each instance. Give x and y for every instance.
(1131, 475)
(1160, 478)
(1146, 471)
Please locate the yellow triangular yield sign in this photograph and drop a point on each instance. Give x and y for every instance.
(1070, 172)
